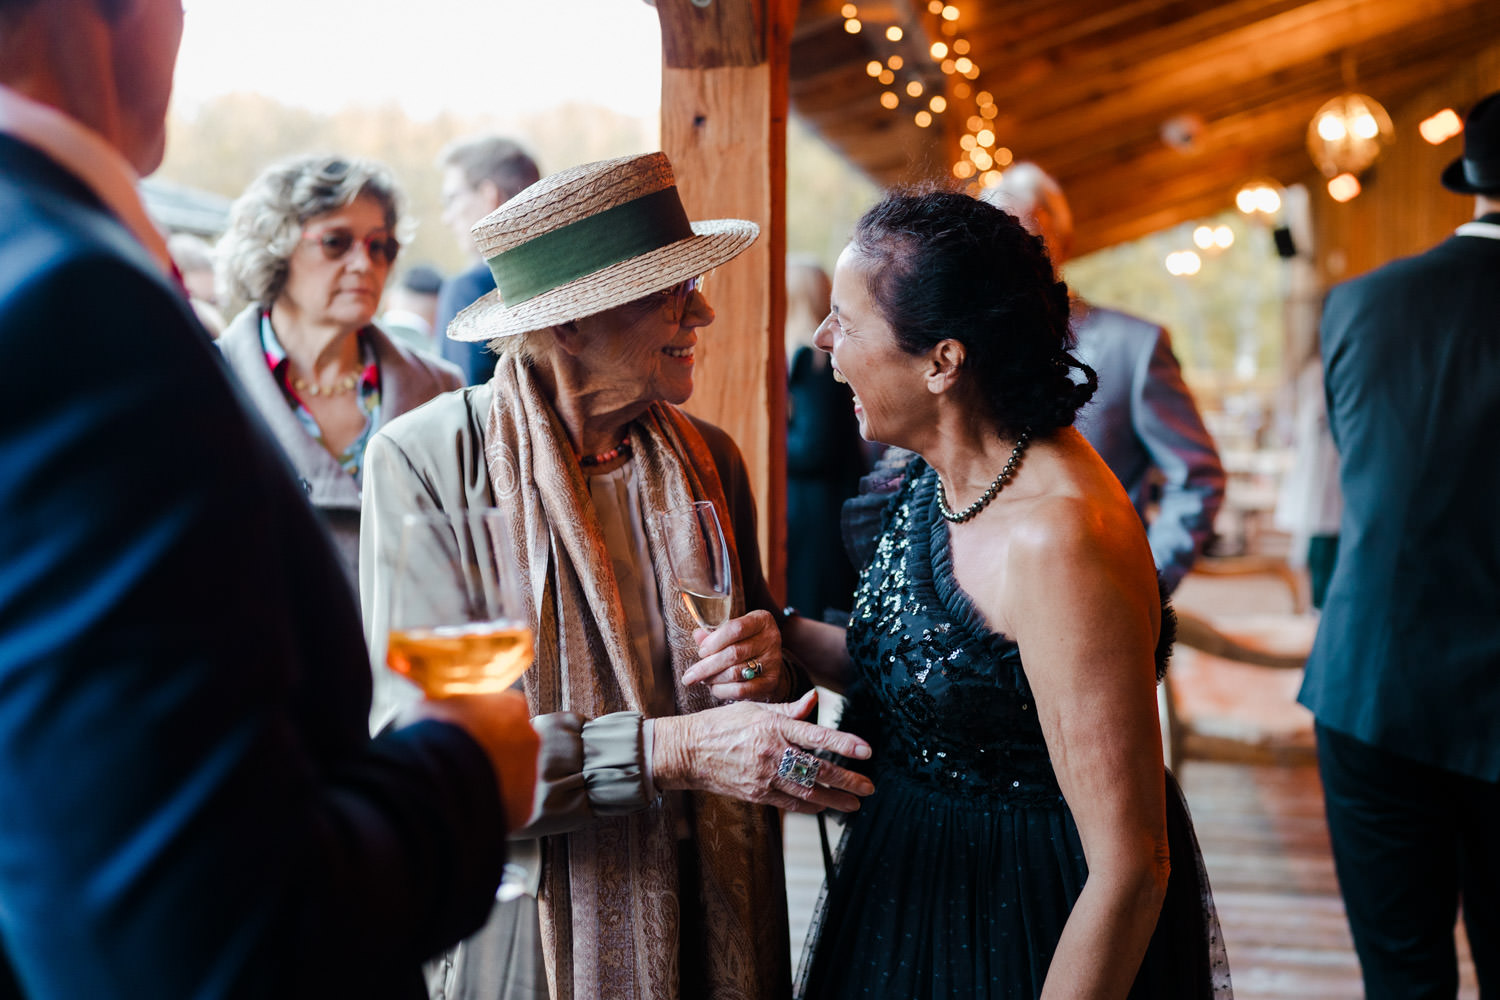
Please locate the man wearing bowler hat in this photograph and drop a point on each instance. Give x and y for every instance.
(1404, 677)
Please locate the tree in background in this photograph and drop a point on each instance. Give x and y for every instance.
(231, 139)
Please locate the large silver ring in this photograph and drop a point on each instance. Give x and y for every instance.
(799, 767)
(751, 670)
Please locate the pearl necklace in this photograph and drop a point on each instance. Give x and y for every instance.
(604, 457)
(340, 385)
(994, 488)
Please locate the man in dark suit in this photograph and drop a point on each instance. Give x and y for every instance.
(1142, 421)
(479, 175)
(190, 802)
(1404, 676)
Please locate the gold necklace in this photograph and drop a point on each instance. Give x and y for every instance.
(342, 384)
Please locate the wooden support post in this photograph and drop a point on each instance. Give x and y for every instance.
(723, 124)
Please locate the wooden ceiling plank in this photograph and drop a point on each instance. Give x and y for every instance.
(1237, 58)
(1131, 221)
(1164, 88)
(1102, 78)
(1276, 119)
(1095, 32)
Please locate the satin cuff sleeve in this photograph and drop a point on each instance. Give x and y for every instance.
(588, 768)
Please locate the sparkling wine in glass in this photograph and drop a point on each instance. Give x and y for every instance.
(698, 556)
(458, 622)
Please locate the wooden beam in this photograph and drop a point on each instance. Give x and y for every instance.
(723, 125)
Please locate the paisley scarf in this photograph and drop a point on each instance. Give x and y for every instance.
(612, 908)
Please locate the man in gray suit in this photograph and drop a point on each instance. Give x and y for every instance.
(1404, 676)
(1142, 421)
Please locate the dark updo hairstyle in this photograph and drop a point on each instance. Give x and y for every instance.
(947, 266)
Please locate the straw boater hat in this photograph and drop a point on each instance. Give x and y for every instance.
(587, 239)
(1478, 170)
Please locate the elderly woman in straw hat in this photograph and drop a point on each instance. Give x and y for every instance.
(665, 752)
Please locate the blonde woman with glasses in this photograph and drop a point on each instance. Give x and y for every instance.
(310, 245)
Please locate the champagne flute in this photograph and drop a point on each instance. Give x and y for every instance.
(458, 622)
(698, 557)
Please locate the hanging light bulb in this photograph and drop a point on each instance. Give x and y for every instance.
(1347, 134)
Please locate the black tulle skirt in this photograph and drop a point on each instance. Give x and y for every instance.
(937, 895)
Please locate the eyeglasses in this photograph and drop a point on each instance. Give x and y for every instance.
(335, 243)
(673, 302)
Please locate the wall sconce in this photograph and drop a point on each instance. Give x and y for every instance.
(1183, 263)
(1213, 238)
(1259, 199)
(1441, 127)
(1344, 187)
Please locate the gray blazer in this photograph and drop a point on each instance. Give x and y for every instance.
(407, 380)
(1146, 427)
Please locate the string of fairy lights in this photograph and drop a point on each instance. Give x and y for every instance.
(978, 161)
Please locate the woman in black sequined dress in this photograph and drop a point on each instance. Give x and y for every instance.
(1024, 839)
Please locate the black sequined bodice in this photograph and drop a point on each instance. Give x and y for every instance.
(942, 699)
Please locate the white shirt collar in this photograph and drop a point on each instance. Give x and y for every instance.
(1488, 230)
(86, 155)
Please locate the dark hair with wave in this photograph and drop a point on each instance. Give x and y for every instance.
(948, 266)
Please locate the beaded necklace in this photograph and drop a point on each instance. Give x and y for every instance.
(621, 449)
(994, 488)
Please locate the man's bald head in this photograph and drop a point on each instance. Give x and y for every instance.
(1030, 194)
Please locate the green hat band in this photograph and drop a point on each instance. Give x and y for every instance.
(616, 234)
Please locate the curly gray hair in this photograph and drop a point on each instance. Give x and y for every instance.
(265, 223)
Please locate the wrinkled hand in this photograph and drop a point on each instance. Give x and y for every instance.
(734, 750)
(748, 641)
(501, 725)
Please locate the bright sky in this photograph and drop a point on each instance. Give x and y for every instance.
(471, 57)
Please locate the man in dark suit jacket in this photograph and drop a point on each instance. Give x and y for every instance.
(479, 175)
(1142, 420)
(1404, 676)
(190, 802)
